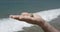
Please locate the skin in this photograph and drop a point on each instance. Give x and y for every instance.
(35, 19)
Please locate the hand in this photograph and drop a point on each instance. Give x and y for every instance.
(28, 17)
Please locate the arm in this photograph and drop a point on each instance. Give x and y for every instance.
(47, 27)
(35, 19)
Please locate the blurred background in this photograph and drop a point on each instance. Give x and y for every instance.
(8, 7)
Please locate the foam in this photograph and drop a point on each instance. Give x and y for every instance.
(49, 15)
(11, 25)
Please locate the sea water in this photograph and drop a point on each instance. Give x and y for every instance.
(48, 11)
(12, 25)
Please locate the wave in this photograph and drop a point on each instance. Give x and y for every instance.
(49, 15)
(11, 25)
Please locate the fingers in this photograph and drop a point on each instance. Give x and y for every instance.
(27, 17)
(23, 17)
(36, 16)
(25, 14)
(17, 16)
(14, 16)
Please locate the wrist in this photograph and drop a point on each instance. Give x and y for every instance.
(41, 23)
